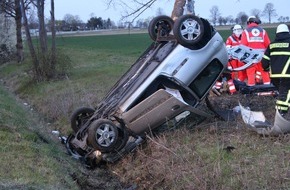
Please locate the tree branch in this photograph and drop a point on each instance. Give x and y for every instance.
(139, 10)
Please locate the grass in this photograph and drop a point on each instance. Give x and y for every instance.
(197, 159)
(189, 157)
(29, 160)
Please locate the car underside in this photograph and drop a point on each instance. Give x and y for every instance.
(172, 77)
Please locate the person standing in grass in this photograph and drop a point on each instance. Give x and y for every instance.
(277, 60)
(233, 40)
(257, 38)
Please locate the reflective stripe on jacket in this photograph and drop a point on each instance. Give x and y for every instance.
(255, 37)
(277, 56)
(232, 41)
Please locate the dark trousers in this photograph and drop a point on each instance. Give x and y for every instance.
(283, 99)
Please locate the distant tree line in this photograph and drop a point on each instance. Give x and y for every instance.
(74, 23)
(269, 12)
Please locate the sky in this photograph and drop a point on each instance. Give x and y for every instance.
(87, 8)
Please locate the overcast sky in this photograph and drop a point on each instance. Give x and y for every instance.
(85, 8)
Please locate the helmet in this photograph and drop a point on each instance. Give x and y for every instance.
(282, 28)
(253, 19)
(237, 26)
(237, 30)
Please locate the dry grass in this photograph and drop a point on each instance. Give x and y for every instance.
(202, 158)
(212, 155)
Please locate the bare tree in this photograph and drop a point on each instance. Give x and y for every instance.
(214, 14)
(256, 13)
(159, 11)
(39, 4)
(53, 34)
(225, 20)
(269, 11)
(242, 18)
(44, 61)
(220, 20)
(72, 21)
(31, 14)
(230, 19)
(135, 12)
(35, 62)
(13, 9)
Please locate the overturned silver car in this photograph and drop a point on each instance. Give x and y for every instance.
(172, 76)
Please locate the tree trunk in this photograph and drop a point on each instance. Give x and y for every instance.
(178, 9)
(42, 31)
(36, 68)
(53, 45)
(19, 44)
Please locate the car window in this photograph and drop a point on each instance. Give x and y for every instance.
(206, 78)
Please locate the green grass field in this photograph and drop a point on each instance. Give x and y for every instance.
(185, 157)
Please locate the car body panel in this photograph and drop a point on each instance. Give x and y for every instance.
(184, 65)
(153, 111)
(257, 122)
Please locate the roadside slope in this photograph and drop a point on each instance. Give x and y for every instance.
(31, 158)
(29, 161)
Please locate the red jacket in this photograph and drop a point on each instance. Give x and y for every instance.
(255, 37)
(233, 40)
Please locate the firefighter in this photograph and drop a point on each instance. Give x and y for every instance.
(277, 60)
(257, 38)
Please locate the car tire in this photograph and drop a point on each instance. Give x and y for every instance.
(80, 117)
(160, 26)
(103, 135)
(188, 30)
(122, 139)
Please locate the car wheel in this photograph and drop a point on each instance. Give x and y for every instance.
(188, 30)
(80, 117)
(103, 135)
(160, 26)
(122, 139)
